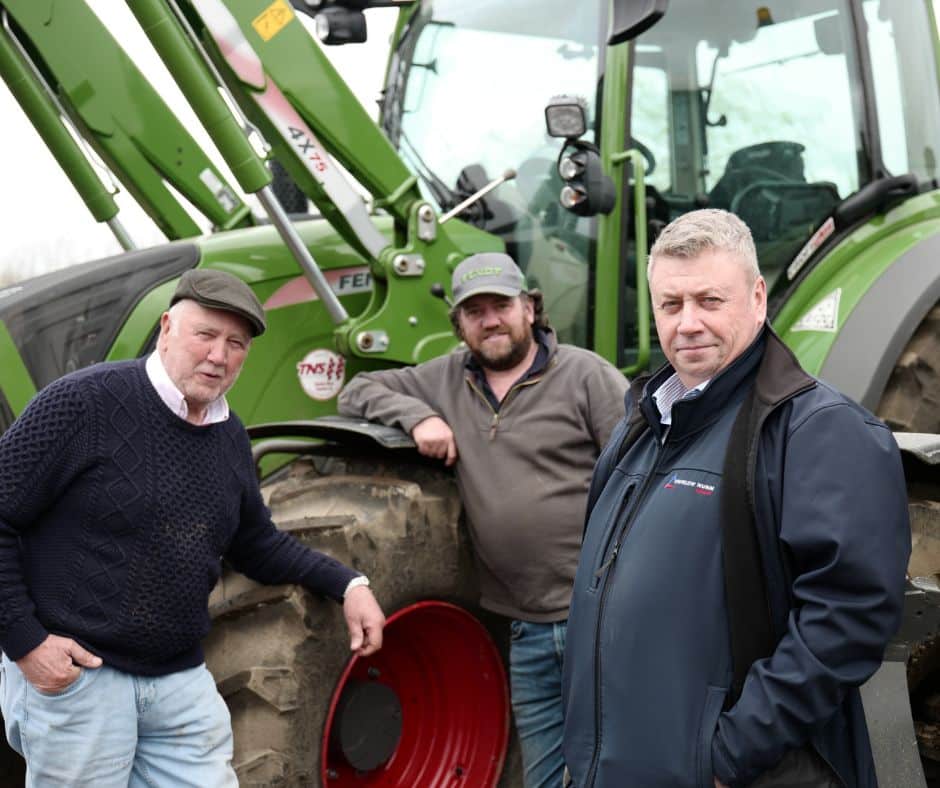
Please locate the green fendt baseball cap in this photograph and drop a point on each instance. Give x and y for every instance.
(487, 272)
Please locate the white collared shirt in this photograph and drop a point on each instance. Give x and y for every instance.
(670, 392)
(173, 397)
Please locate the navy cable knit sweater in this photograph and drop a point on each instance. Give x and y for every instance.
(115, 514)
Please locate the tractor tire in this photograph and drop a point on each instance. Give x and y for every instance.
(278, 652)
(911, 400)
(911, 403)
(923, 666)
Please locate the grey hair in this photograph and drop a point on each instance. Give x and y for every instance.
(174, 312)
(709, 229)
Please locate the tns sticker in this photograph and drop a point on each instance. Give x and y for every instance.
(321, 373)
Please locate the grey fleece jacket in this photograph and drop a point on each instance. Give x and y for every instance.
(523, 472)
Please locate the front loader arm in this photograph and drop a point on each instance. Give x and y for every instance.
(270, 65)
(60, 58)
(287, 89)
(279, 75)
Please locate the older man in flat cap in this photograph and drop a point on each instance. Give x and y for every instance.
(523, 419)
(122, 486)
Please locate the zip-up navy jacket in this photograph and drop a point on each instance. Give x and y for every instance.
(648, 659)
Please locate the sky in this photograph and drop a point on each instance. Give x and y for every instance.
(47, 226)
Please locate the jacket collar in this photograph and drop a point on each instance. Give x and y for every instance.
(779, 376)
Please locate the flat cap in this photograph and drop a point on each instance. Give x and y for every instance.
(487, 272)
(220, 290)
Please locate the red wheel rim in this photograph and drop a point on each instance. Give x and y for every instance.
(451, 685)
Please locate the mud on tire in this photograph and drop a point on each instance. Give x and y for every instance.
(276, 652)
(911, 401)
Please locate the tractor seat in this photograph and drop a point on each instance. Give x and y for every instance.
(765, 161)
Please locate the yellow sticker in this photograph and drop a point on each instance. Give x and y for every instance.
(271, 21)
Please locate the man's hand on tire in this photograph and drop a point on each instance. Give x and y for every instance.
(365, 621)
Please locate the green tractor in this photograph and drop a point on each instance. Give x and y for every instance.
(814, 120)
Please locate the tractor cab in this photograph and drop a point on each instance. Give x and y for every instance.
(454, 58)
(776, 112)
(779, 112)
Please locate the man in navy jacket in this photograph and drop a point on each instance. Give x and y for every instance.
(648, 665)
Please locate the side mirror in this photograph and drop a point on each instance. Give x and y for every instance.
(629, 18)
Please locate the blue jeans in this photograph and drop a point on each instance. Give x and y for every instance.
(535, 660)
(114, 730)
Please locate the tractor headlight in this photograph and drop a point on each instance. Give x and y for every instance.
(337, 25)
(566, 116)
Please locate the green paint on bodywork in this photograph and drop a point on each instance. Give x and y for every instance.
(180, 57)
(299, 68)
(269, 387)
(415, 323)
(44, 115)
(122, 117)
(142, 323)
(852, 267)
(18, 387)
(609, 254)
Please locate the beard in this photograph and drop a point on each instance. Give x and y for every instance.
(502, 359)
